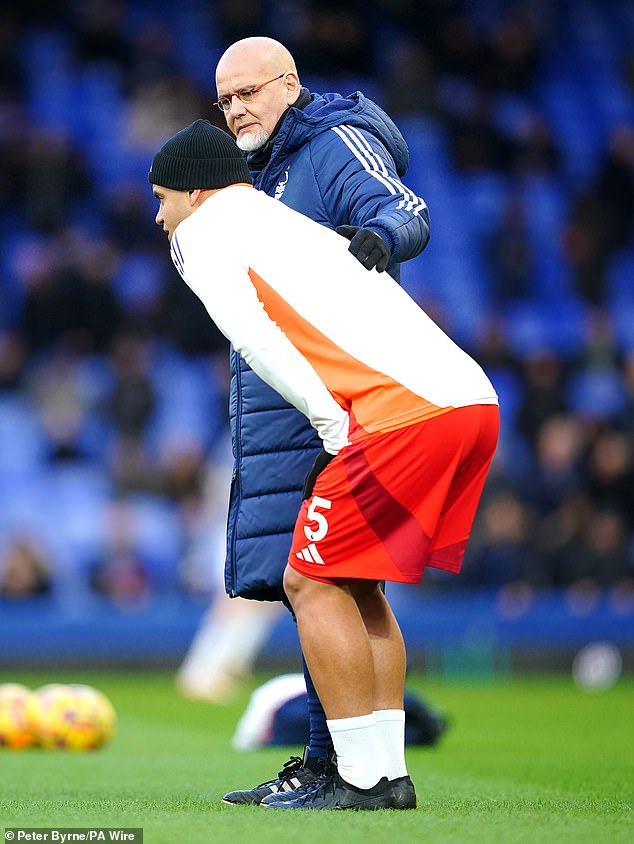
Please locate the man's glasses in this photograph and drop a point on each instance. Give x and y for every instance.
(245, 95)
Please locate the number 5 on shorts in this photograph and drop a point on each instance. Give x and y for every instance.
(319, 518)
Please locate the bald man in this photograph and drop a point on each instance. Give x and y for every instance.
(338, 160)
(253, 123)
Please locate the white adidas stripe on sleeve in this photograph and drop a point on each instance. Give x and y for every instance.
(372, 162)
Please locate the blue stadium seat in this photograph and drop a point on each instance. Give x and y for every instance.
(78, 496)
(139, 281)
(620, 277)
(533, 326)
(484, 196)
(158, 536)
(187, 401)
(24, 447)
(596, 393)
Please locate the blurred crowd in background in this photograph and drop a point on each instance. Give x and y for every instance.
(114, 451)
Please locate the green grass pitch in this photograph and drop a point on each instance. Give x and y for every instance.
(525, 760)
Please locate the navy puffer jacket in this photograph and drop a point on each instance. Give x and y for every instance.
(339, 160)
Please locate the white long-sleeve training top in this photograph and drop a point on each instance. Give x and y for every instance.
(331, 337)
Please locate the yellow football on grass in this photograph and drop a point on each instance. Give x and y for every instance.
(18, 717)
(74, 717)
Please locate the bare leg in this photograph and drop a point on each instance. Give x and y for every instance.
(335, 643)
(356, 656)
(386, 643)
(352, 644)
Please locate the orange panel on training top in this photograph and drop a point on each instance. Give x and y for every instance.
(379, 403)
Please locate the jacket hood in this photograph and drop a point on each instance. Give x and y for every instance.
(327, 110)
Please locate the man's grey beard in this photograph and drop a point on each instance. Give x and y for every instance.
(252, 140)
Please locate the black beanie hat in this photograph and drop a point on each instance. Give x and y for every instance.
(200, 156)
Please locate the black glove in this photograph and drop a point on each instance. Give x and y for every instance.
(367, 247)
(321, 461)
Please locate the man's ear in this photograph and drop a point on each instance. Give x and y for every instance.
(193, 196)
(293, 87)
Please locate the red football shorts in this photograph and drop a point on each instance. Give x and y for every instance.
(390, 504)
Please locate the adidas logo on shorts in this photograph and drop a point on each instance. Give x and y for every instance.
(311, 555)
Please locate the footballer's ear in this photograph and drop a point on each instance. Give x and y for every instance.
(194, 196)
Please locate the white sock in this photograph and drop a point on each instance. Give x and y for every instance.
(390, 727)
(356, 743)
